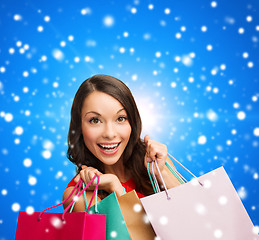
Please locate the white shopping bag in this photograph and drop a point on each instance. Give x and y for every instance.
(209, 211)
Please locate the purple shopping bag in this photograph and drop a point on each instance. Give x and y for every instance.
(206, 208)
(65, 226)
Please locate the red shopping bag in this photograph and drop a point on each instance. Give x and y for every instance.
(63, 226)
(206, 208)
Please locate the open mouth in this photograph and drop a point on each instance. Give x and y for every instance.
(109, 147)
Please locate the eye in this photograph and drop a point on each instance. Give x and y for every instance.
(94, 120)
(122, 119)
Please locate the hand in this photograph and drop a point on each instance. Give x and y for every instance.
(155, 150)
(107, 182)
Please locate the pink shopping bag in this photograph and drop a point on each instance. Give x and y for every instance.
(62, 226)
(207, 208)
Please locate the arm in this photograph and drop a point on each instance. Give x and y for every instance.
(108, 182)
(158, 151)
(169, 179)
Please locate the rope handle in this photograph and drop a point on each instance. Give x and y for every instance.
(151, 179)
(178, 176)
(77, 186)
(160, 175)
(74, 200)
(79, 183)
(71, 209)
(185, 169)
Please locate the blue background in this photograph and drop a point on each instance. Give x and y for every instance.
(191, 65)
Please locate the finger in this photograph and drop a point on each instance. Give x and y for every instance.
(146, 138)
(77, 178)
(91, 174)
(83, 166)
(147, 158)
(84, 175)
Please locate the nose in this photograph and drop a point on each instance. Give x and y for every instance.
(109, 131)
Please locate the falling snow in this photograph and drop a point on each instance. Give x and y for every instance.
(195, 81)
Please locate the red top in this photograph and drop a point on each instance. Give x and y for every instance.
(129, 186)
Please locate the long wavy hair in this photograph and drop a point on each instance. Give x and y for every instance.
(133, 155)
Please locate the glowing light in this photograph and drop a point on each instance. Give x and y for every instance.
(25, 74)
(214, 4)
(242, 192)
(40, 29)
(86, 11)
(108, 21)
(256, 132)
(241, 30)
(46, 154)
(249, 18)
(8, 117)
(203, 28)
(29, 210)
(158, 54)
(4, 192)
(58, 54)
(17, 17)
(137, 207)
(241, 115)
(167, 11)
(187, 61)
(223, 200)
(150, 6)
(113, 234)
(250, 64)
(133, 10)
(200, 209)
(16, 207)
(46, 18)
(218, 233)
(70, 38)
(47, 144)
(178, 35)
(18, 130)
(209, 47)
(163, 220)
(56, 222)
(32, 180)
(27, 162)
(202, 140)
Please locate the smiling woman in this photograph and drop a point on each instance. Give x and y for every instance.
(105, 127)
(104, 139)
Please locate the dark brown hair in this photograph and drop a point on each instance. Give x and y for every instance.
(133, 155)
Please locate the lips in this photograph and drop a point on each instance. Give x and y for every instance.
(108, 148)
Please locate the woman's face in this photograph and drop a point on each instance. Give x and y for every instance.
(105, 127)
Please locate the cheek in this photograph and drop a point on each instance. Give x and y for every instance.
(125, 133)
(89, 135)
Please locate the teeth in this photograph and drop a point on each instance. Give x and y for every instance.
(109, 146)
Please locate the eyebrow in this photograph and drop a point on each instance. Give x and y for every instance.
(100, 114)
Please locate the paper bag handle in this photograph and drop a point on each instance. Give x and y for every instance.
(79, 183)
(89, 205)
(160, 175)
(77, 186)
(185, 169)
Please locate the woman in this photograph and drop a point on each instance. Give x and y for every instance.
(104, 139)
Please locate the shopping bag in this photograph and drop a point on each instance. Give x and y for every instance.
(65, 226)
(115, 224)
(135, 217)
(206, 208)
